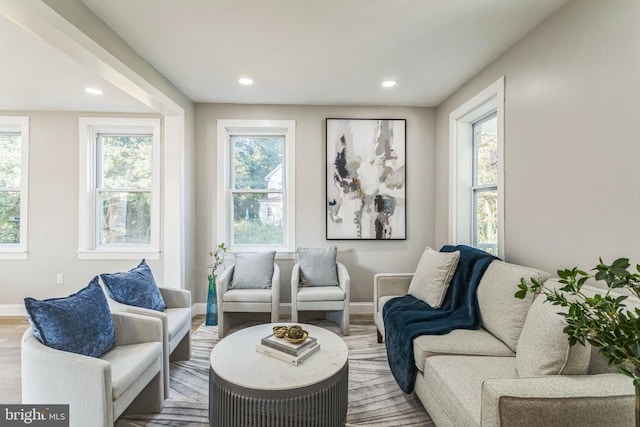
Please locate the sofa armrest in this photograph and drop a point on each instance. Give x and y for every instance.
(344, 280)
(136, 328)
(51, 376)
(176, 298)
(577, 400)
(396, 284)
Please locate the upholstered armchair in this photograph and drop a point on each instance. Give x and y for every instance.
(126, 379)
(320, 283)
(250, 285)
(175, 317)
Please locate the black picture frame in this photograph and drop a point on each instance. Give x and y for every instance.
(366, 179)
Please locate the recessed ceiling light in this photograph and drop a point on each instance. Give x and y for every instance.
(245, 81)
(93, 91)
(388, 83)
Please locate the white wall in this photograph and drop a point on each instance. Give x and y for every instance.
(362, 258)
(572, 180)
(53, 216)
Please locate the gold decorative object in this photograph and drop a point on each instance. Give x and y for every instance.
(297, 340)
(294, 333)
(279, 331)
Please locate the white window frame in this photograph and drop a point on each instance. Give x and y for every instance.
(227, 128)
(461, 163)
(19, 124)
(90, 128)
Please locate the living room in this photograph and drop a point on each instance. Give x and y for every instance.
(570, 88)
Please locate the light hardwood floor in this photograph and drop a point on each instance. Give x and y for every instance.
(11, 330)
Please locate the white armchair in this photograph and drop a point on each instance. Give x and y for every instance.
(332, 299)
(126, 379)
(247, 300)
(176, 325)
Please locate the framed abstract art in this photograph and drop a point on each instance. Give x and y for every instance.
(366, 182)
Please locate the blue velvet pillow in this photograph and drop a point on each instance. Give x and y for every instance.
(80, 323)
(135, 287)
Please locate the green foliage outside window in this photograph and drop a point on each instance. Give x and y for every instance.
(486, 173)
(9, 217)
(125, 188)
(255, 167)
(10, 178)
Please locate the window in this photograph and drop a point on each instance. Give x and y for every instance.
(476, 200)
(14, 157)
(485, 183)
(120, 188)
(255, 184)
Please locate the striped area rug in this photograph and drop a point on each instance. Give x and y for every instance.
(374, 397)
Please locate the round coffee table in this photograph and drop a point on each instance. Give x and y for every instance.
(253, 389)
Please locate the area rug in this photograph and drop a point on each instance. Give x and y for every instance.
(374, 397)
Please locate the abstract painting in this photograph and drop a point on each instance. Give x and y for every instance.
(366, 190)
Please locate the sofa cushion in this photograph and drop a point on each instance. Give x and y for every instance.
(248, 295)
(433, 275)
(467, 342)
(135, 287)
(80, 323)
(128, 363)
(544, 348)
(253, 270)
(318, 266)
(458, 380)
(333, 293)
(177, 319)
(503, 314)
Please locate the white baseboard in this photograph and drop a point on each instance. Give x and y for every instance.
(13, 310)
(285, 308)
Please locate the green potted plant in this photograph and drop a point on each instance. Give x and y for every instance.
(212, 303)
(602, 320)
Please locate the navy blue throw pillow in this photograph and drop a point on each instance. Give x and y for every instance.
(80, 323)
(135, 287)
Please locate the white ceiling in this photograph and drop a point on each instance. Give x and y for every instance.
(329, 52)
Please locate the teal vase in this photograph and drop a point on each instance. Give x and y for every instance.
(212, 303)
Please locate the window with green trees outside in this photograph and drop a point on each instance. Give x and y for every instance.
(10, 185)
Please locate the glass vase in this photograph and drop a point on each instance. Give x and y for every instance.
(212, 303)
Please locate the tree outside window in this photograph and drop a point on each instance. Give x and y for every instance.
(10, 182)
(257, 189)
(485, 184)
(125, 171)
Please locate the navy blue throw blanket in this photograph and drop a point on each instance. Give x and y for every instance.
(407, 317)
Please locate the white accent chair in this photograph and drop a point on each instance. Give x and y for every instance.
(176, 324)
(332, 299)
(126, 379)
(246, 300)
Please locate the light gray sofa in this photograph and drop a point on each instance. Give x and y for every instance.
(126, 379)
(517, 369)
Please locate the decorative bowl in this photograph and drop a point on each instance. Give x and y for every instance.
(280, 331)
(297, 340)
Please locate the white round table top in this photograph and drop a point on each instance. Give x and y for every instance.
(236, 360)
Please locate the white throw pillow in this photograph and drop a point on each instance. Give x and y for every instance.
(543, 348)
(433, 275)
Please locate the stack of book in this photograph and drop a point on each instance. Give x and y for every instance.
(282, 349)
